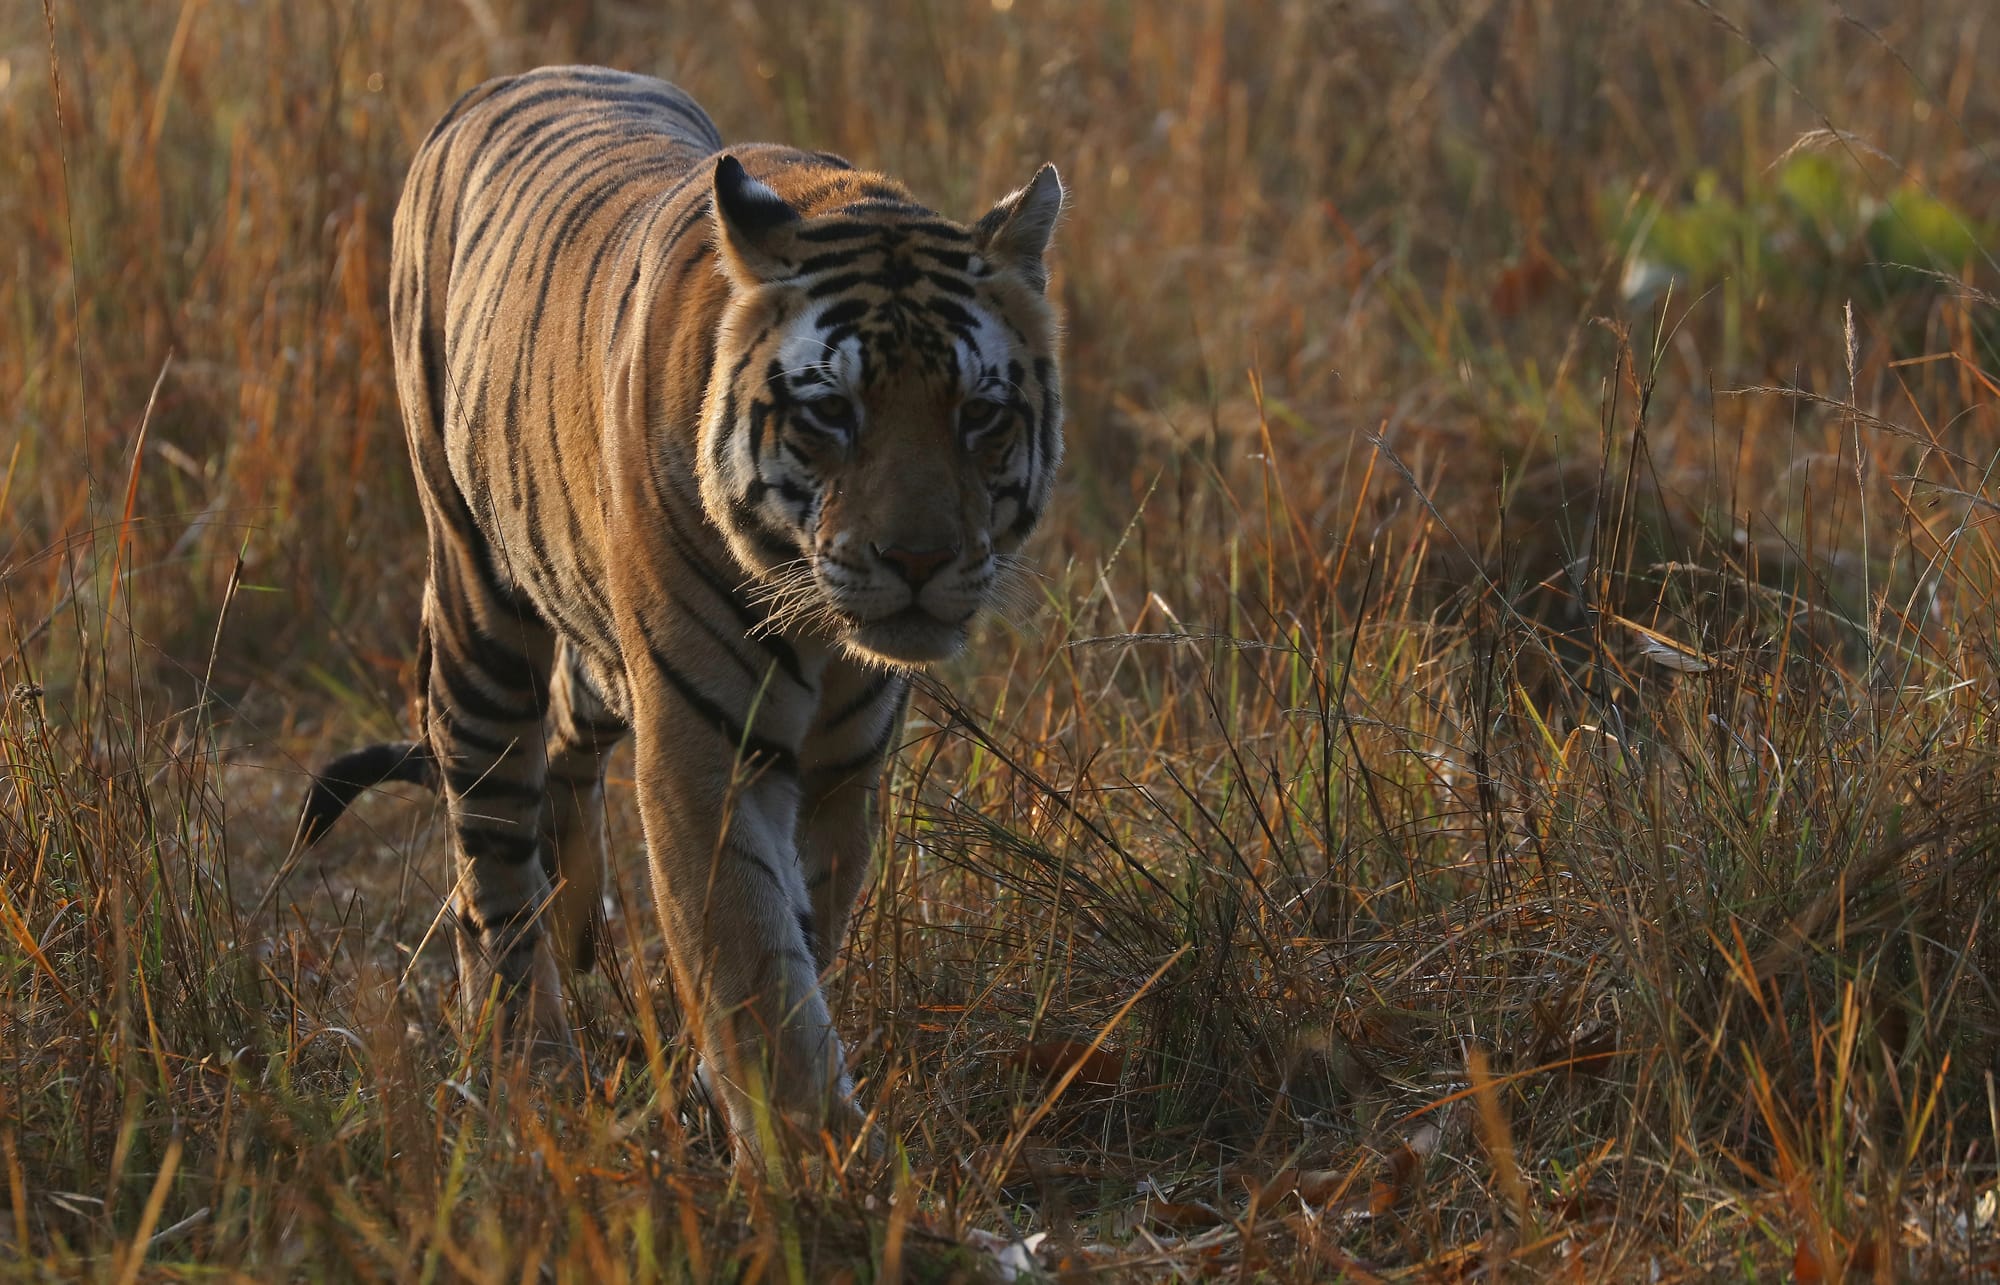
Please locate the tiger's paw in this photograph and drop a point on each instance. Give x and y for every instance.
(807, 1132)
(511, 998)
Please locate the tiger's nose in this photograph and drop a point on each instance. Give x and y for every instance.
(915, 566)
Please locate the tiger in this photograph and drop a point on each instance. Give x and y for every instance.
(716, 448)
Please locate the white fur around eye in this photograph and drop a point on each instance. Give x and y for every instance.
(984, 357)
(837, 366)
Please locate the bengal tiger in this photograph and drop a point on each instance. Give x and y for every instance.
(714, 447)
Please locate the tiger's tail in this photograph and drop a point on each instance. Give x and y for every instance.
(343, 780)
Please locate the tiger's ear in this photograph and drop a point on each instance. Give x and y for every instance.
(1015, 233)
(755, 230)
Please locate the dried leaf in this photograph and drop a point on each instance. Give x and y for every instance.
(1186, 1215)
(1398, 1178)
(1274, 1188)
(1314, 1187)
(1100, 1068)
(1318, 1186)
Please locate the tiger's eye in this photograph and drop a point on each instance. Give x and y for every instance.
(978, 414)
(832, 411)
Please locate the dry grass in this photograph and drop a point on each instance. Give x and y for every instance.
(1500, 781)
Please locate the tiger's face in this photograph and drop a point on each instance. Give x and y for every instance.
(884, 423)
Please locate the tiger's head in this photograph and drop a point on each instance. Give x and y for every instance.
(884, 418)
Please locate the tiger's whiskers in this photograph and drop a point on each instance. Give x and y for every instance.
(1017, 589)
(789, 595)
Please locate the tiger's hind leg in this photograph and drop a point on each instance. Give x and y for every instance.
(486, 694)
(583, 729)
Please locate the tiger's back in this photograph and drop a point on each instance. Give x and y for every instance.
(713, 448)
(520, 245)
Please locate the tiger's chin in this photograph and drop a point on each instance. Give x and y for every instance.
(907, 638)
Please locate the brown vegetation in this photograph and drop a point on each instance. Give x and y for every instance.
(1499, 776)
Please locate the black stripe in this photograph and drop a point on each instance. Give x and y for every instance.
(882, 205)
(954, 316)
(459, 736)
(869, 757)
(862, 700)
(834, 259)
(692, 559)
(515, 108)
(590, 735)
(513, 176)
(579, 171)
(453, 112)
(756, 861)
(950, 284)
(1045, 432)
(506, 667)
(614, 237)
(509, 847)
(467, 783)
(625, 296)
(806, 932)
(840, 284)
(566, 135)
(757, 750)
(842, 313)
(510, 601)
(642, 235)
(722, 638)
(583, 191)
(469, 699)
(850, 229)
(847, 230)
(583, 207)
(760, 415)
(430, 357)
(781, 652)
(521, 926)
(788, 660)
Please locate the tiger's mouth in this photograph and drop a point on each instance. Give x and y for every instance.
(910, 636)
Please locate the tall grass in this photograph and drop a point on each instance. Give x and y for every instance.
(1500, 775)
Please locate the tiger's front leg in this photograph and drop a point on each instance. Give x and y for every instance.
(852, 736)
(719, 820)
